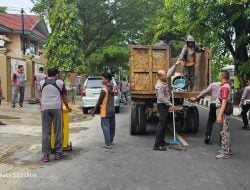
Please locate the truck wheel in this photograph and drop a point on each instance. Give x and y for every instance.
(85, 110)
(191, 120)
(187, 121)
(196, 120)
(117, 109)
(142, 119)
(179, 122)
(133, 121)
(137, 120)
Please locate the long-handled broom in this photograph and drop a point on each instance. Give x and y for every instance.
(174, 144)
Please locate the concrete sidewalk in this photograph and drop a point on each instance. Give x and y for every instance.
(31, 112)
(20, 149)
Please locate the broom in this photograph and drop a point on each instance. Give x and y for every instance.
(174, 144)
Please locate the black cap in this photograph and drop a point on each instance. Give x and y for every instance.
(107, 76)
(52, 72)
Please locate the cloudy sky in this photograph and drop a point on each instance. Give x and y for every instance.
(14, 6)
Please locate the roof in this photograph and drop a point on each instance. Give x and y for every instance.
(14, 21)
(33, 24)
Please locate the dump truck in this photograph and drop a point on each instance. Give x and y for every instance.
(145, 62)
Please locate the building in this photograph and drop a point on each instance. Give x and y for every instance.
(35, 34)
(12, 41)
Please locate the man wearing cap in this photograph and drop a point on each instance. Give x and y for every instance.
(187, 55)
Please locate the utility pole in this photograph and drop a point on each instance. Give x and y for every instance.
(22, 11)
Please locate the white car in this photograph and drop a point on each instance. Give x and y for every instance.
(91, 91)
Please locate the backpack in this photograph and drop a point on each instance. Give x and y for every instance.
(52, 82)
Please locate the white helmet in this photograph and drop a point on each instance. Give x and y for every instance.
(190, 38)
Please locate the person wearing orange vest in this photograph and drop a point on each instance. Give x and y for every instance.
(105, 104)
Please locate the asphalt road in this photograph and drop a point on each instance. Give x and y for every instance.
(133, 165)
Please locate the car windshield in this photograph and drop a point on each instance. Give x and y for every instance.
(94, 83)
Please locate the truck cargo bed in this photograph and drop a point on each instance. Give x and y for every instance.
(146, 61)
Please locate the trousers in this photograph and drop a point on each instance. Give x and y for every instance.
(162, 125)
(48, 117)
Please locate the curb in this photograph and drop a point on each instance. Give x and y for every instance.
(206, 103)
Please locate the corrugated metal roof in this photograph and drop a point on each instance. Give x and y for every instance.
(14, 21)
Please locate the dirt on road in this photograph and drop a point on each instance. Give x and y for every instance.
(20, 148)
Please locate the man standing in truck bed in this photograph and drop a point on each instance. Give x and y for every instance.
(163, 105)
(187, 55)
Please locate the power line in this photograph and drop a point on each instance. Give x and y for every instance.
(17, 9)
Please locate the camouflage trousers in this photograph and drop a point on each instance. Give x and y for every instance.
(189, 75)
(225, 135)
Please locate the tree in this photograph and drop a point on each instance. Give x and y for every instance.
(110, 57)
(43, 7)
(115, 22)
(3, 9)
(64, 47)
(107, 28)
(223, 25)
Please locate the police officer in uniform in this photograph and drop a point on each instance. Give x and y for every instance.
(163, 106)
(245, 105)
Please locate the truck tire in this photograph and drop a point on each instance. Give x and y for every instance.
(142, 119)
(187, 121)
(85, 110)
(138, 121)
(133, 121)
(179, 122)
(117, 109)
(196, 120)
(191, 120)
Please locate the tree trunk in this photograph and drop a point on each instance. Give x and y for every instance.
(241, 53)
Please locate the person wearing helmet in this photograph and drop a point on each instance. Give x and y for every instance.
(188, 57)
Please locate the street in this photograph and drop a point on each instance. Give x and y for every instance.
(131, 165)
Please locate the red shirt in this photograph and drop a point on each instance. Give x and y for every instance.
(224, 92)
